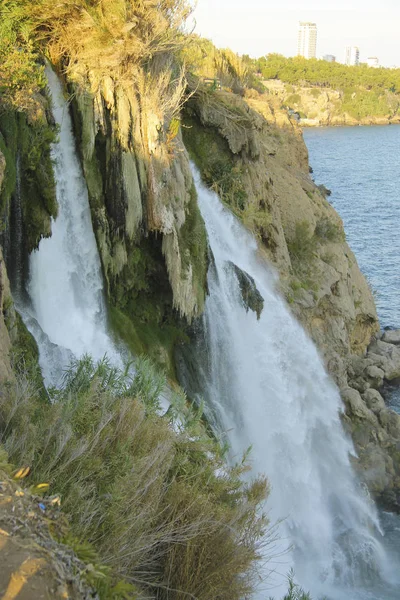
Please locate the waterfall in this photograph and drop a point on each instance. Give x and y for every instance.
(262, 379)
(66, 313)
(264, 383)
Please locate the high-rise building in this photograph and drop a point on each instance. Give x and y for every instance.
(307, 40)
(329, 58)
(352, 55)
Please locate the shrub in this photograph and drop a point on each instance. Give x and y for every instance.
(21, 78)
(293, 99)
(302, 246)
(329, 231)
(151, 493)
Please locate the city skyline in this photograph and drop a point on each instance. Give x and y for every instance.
(265, 30)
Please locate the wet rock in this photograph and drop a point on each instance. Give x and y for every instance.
(251, 296)
(355, 405)
(376, 469)
(324, 190)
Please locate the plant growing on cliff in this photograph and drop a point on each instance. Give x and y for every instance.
(115, 35)
(302, 247)
(152, 493)
(21, 78)
(329, 231)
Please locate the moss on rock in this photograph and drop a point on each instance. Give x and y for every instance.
(26, 147)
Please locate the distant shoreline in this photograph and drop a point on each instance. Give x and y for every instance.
(383, 123)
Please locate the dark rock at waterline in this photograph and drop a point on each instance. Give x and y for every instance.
(252, 298)
(324, 190)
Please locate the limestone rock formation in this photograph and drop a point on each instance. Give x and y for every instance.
(258, 164)
(320, 106)
(261, 170)
(140, 186)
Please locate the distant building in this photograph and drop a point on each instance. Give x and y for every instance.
(307, 40)
(329, 58)
(352, 55)
(373, 61)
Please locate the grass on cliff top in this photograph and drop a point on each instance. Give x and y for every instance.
(152, 494)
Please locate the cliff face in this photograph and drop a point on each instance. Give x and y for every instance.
(27, 196)
(5, 344)
(301, 232)
(153, 246)
(254, 156)
(149, 230)
(317, 106)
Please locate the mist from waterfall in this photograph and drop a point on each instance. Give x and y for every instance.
(264, 383)
(67, 313)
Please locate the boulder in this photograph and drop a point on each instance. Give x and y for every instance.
(375, 468)
(252, 298)
(391, 336)
(389, 359)
(355, 405)
(373, 400)
(375, 375)
(390, 420)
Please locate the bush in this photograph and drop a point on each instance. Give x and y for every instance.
(293, 99)
(329, 231)
(151, 493)
(21, 78)
(302, 246)
(315, 93)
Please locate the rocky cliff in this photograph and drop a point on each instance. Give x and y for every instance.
(153, 246)
(320, 106)
(148, 227)
(253, 154)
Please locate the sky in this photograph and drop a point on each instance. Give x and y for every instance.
(257, 27)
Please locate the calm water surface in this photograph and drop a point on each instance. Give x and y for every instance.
(361, 166)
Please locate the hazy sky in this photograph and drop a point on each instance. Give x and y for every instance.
(257, 27)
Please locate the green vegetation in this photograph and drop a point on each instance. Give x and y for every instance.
(193, 242)
(302, 246)
(152, 495)
(25, 135)
(293, 99)
(329, 231)
(28, 141)
(21, 78)
(218, 168)
(295, 592)
(203, 59)
(300, 71)
(364, 92)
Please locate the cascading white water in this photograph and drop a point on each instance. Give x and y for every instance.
(264, 381)
(267, 387)
(67, 314)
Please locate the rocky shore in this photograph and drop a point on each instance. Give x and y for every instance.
(374, 427)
